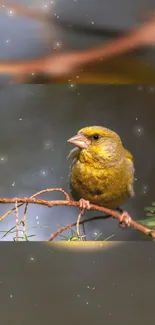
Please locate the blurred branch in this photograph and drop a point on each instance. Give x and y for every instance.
(121, 217)
(49, 17)
(62, 64)
(21, 10)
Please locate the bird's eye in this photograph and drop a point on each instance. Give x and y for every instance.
(95, 136)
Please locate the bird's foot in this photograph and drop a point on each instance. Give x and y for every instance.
(125, 220)
(84, 204)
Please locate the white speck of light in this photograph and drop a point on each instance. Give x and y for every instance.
(88, 287)
(20, 119)
(110, 314)
(48, 144)
(136, 118)
(37, 222)
(11, 296)
(13, 184)
(10, 13)
(87, 303)
(140, 88)
(32, 258)
(7, 41)
(135, 179)
(37, 217)
(92, 22)
(43, 173)
(32, 73)
(72, 86)
(3, 159)
(98, 306)
(139, 131)
(78, 296)
(151, 89)
(145, 189)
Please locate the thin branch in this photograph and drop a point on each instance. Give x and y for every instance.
(17, 221)
(62, 229)
(22, 10)
(24, 221)
(36, 194)
(68, 202)
(78, 221)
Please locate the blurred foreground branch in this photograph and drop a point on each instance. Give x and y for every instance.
(65, 63)
(67, 202)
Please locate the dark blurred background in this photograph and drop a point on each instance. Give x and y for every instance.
(44, 284)
(35, 123)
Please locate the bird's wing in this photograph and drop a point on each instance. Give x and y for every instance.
(130, 159)
(128, 155)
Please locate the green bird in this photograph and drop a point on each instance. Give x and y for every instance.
(102, 170)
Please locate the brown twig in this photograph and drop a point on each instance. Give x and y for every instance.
(22, 10)
(68, 202)
(17, 221)
(62, 229)
(78, 221)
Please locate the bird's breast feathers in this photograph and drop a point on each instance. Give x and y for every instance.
(108, 186)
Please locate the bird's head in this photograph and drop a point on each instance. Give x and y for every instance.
(97, 145)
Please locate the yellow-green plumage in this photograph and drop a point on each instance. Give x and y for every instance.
(103, 173)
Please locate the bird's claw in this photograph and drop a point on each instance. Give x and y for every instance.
(125, 220)
(84, 204)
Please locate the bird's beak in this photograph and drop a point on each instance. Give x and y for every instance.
(80, 141)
